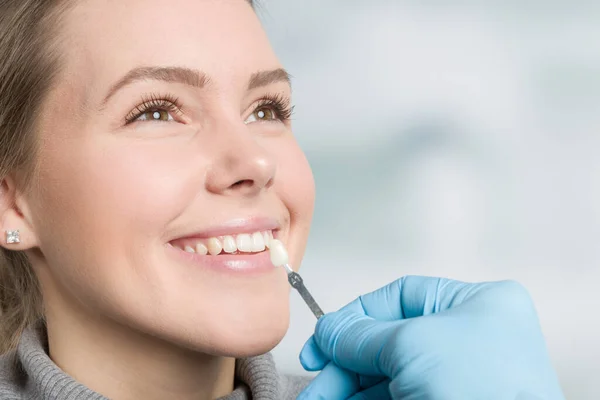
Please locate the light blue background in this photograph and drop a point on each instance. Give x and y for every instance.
(456, 139)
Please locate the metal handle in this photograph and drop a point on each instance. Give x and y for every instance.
(297, 283)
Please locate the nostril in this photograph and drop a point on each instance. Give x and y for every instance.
(243, 183)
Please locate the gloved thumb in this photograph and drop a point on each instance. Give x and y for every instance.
(357, 342)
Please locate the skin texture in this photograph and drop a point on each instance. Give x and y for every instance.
(125, 317)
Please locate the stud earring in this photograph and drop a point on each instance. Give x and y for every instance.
(13, 237)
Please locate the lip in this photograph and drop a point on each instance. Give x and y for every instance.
(248, 264)
(235, 227)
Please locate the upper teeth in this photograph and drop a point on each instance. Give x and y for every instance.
(244, 242)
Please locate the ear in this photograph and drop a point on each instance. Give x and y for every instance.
(14, 216)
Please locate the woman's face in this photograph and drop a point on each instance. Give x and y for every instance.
(168, 127)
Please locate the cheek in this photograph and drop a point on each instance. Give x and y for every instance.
(295, 182)
(109, 197)
(119, 182)
(149, 180)
(296, 188)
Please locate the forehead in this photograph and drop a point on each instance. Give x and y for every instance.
(104, 39)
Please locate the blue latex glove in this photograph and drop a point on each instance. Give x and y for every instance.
(432, 338)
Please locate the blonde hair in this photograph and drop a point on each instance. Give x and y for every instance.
(28, 66)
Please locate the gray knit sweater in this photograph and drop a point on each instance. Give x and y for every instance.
(28, 373)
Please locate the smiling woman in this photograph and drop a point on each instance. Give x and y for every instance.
(146, 161)
(147, 171)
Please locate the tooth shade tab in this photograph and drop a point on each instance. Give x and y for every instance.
(279, 255)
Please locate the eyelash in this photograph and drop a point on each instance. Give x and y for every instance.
(279, 104)
(154, 102)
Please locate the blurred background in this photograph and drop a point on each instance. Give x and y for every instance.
(457, 139)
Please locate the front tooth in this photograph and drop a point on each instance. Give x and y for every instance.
(267, 239)
(278, 253)
(244, 242)
(229, 244)
(201, 249)
(258, 242)
(189, 249)
(214, 246)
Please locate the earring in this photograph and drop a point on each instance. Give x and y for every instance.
(13, 237)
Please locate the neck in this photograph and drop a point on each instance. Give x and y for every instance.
(123, 364)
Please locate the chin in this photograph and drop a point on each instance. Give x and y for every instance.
(250, 333)
(249, 344)
(236, 331)
(251, 339)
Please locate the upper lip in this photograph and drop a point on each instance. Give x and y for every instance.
(236, 226)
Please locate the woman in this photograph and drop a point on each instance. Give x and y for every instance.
(146, 161)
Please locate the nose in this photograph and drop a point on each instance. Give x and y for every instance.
(241, 166)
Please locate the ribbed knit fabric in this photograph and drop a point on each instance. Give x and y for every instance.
(28, 373)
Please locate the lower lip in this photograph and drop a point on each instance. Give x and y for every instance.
(237, 263)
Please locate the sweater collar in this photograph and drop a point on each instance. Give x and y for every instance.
(257, 376)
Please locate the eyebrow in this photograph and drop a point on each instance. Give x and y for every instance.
(264, 78)
(186, 76)
(192, 77)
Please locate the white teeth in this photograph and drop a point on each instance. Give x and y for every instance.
(229, 245)
(244, 243)
(278, 253)
(267, 239)
(258, 242)
(201, 249)
(214, 246)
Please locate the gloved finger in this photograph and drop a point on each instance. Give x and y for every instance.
(313, 359)
(421, 295)
(380, 391)
(311, 356)
(382, 304)
(414, 296)
(332, 383)
(408, 297)
(356, 342)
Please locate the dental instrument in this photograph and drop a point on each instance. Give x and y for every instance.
(279, 258)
